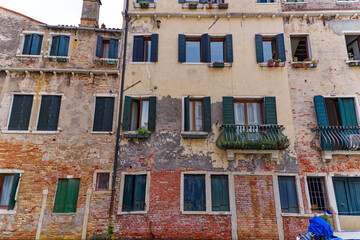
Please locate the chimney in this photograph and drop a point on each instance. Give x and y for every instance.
(90, 13)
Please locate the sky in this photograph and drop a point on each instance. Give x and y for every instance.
(65, 12)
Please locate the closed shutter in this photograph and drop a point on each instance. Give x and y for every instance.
(60, 198)
(108, 114)
(205, 48)
(63, 46)
(36, 44)
(259, 48)
(139, 193)
(207, 114)
(14, 187)
(342, 195)
(220, 193)
(355, 194)
(99, 44)
(203, 1)
(138, 53)
(52, 124)
(99, 114)
(194, 192)
(55, 46)
(229, 48)
(152, 114)
(72, 195)
(113, 48)
(128, 193)
(154, 47)
(228, 110)
(182, 1)
(347, 112)
(127, 114)
(49, 113)
(27, 44)
(187, 113)
(288, 194)
(321, 112)
(269, 110)
(280, 47)
(20, 112)
(182, 48)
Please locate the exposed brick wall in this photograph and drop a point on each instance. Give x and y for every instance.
(293, 226)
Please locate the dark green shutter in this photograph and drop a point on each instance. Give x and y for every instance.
(139, 193)
(36, 44)
(127, 114)
(347, 112)
(63, 46)
(228, 110)
(182, 1)
(259, 48)
(342, 195)
(194, 192)
(355, 194)
(55, 46)
(108, 114)
(14, 187)
(20, 112)
(49, 113)
(220, 193)
(207, 114)
(203, 1)
(138, 53)
(229, 48)
(154, 47)
(27, 44)
(113, 48)
(280, 47)
(152, 114)
(269, 110)
(72, 195)
(99, 44)
(187, 113)
(99, 114)
(205, 48)
(321, 112)
(182, 48)
(54, 113)
(60, 198)
(128, 193)
(288, 194)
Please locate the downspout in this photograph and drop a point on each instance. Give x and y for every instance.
(117, 144)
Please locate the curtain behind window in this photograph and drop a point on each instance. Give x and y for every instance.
(6, 190)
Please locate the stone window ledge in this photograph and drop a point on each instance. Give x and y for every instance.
(346, 2)
(297, 215)
(7, 212)
(15, 132)
(274, 154)
(134, 134)
(132, 213)
(326, 156)
(194, 135)
(265, 64)
(205, 213)
(304, 2)
(28, 56)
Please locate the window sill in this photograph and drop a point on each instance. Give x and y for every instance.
(297, 215)
(274, 154)
(274, 3)
(198, 6)
(346, 2)
(327, 156)
(195, 63)
(46, 132)
(265, 64)
(151, 5)
(353, 63)
(194, 135)
(303, 64)
(204, 213)
(28, 56)
(136, 135)
(72, 213)
(106, 61)
(7, 212)
(102, 192)
(101, 132)
(295, 2)
(219, 65)
(15, 131)
(141, 62)
(133, 213)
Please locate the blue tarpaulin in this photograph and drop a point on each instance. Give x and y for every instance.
(320, 227)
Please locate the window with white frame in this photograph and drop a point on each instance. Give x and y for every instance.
(32, 44)
(102, 181)
(59, 46)
(104, 114)
(8, 187)
(300, 47)
(49, 113)
(107, 47)
(20, 112)
(197, 113)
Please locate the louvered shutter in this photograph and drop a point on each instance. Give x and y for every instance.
(127, 114)
(205, 48)
(194, 193)
(36, 44)
(347, 112)
(99, 44)
(27, 44)
(269, 110)
(128, 193)
(99, 114)
(259, 48)
(152, 114)
(182, 48)
(207, 114)
(108, 114)
(154, 47)
(229, 48)
(139, 193)
(138, 53)
(228, 110)
(187, 113)
(113, 48)
(219, 193)
(72, 195)
(321, 112)
(60, 197)
(55, 46)
(20, 112)
(280, 47)
(53, 120)
(44, 113)
(63, 46)
(14, 188)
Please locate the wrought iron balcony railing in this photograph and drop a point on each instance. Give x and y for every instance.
(255, 137)
(336, 138)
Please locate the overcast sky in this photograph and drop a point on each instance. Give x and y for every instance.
(67, 12)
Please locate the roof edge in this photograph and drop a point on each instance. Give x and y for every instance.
(32, 19)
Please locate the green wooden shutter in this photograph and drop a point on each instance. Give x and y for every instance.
(342, 195)
(152, 114)
(182, 48)
(229, 48)
(36, 44)
(128, 193)
(113, 48)
(72, 195)
(203, 1)
(14, 187)
(60, 198)
(347, 112)
(187, 113)
(127, 114)
(259, 48)
(139, 193)
(63, 46)
(207, 114)
(108, 114)
(205, 48)
(53, 120)
(20, 112)
(154, 47)
(280, 47)
(27, 44)
(55, 46)
(288, 194)
(44, 113)
(354, 184)
(138, 52)
(194, 192)
(220, 193)
(321, 112)
(99, 114)
(99, 44)
(182, 1)
(228, 110)
(269, 110)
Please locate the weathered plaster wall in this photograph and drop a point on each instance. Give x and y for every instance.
(312, 5)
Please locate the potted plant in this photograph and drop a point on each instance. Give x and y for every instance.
(144, 4)
(314, 63)
(295, 59)
(277, 62)
(193, 5)
(61, 60)
(351, 56)
(210, 4)
(142, 132)
(270, 62)
(223, 5)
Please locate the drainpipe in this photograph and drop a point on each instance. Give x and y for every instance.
(117, 144)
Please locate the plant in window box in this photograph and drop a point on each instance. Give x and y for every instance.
(61, 60)
(277, 62)
(307, 64)
(270, 62)
(144, 4)
(142, 132)
(218, 64)
(314, 63)
(193, 5)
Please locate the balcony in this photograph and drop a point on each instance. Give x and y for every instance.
(252, 139)
(336, 140)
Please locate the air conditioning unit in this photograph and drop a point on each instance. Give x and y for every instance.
(353, 141)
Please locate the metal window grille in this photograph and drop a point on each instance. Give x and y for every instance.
(317, 194)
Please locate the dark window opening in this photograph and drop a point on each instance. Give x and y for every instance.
(104, 113)
(194, 192)
(317, 194)
(146, 48)
(196, 115)
(353, 46)
(265, 1)
(8, 187)
(32, 44)
(102, 181)
(300, 48)
(139, 114)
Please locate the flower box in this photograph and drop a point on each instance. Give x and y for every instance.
(193, 5)
(61, 59)
(218, 65)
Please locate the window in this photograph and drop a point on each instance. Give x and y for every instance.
(139, 112)
(352, 46)
(102, 181)
(265, 1)
(134, 193)
(146, 48)
(295, 0)
(49, 113)
(104, 113)
(195, 193)
(66, 195)
(107, 48)
(32, 44)
(197, 114)
(205, 49)
(8, 187)
(249, 112)
(20, 112)
(149, 1)
(318, 199)
(60, 46)
(300, 47)
(269, 48)
(288, 194)
(347, 194)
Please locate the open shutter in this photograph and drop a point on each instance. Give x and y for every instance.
(36, 44)
(27, 44)
(14, 187)
(207, 114)
(113, 48)
(347, 112)
(321, 112)
(20, 112)
(99, 114)
(60, 198)
(53, 120)
(187, 113)
(138, 53)
(44, 113)
(194, 193)
(182, 48)
(127, 114)
(99, 44)
(229, 48)
(269, 110)
(228, 110)
(55, 46)
(72, 195)
(259, 48)
(280, 47)
(139, 193)
(154, 47)
(205, 48)
(152, 114)
(108, 114)
(220, 193)
(63, 46)
(128, 193)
